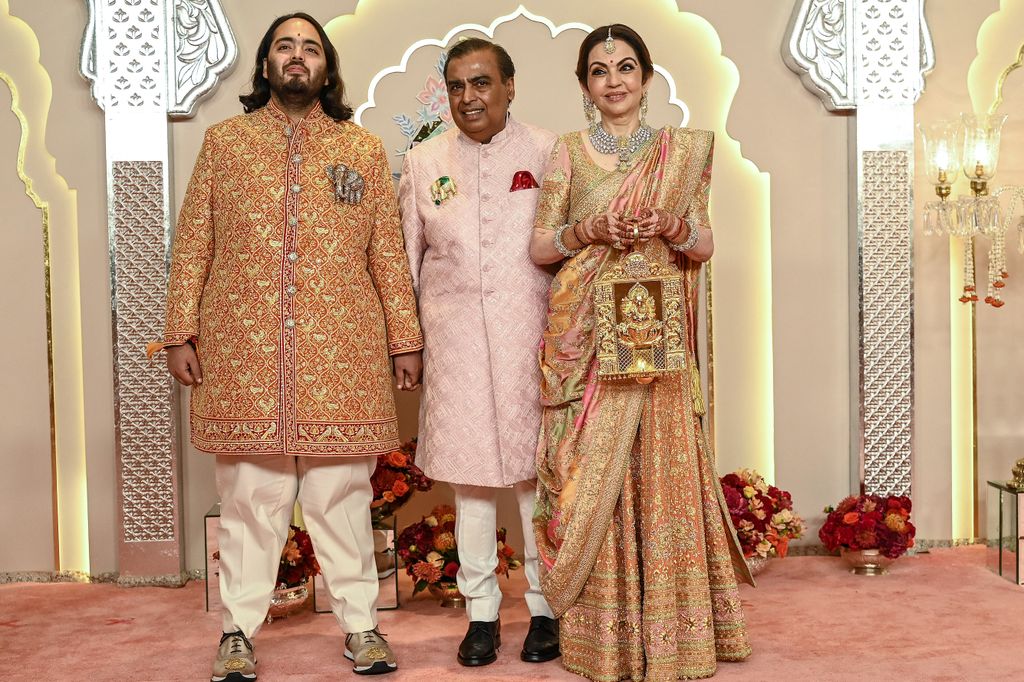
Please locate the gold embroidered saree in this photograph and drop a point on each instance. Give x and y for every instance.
(636, 547)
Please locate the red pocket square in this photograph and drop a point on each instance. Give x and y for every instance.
(523, 180)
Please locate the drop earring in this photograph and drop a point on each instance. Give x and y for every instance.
(643, 110)
(590, 111)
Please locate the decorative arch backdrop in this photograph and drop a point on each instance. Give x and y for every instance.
(786, 401)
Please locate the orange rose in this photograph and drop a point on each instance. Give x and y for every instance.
(397, 459)
(895, 523)
(443, 513)
(850, 518)
(444, 542)
(388, 496)
(400, 488)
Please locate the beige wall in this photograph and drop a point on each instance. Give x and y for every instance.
(770, 125)
(74, 137)
(25, 497)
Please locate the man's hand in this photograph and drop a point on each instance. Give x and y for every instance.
(183, 364)
(408, 370)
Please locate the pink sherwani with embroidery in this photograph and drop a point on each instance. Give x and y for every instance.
(482, 303)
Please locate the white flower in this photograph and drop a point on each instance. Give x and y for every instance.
(430, 521)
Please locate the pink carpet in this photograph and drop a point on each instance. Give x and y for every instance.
(937, 616)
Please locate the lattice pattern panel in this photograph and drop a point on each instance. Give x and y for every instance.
(886, 353)
(143, 390)
(887, 49)
(136, 57)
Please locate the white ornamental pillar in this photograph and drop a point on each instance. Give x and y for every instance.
(147, 59)
(870, 56)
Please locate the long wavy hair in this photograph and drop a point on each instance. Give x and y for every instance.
(332, 95)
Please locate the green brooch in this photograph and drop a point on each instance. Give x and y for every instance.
(442, 190)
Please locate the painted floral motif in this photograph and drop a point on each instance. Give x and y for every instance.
(433, 117)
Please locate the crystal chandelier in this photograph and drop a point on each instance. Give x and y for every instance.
(972, 143)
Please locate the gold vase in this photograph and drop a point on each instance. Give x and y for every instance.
(448, 594)
(865, 561)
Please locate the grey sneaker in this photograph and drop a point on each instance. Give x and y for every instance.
(236, 659)
(369, 653)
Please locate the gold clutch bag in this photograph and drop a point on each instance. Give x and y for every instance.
(639, 320)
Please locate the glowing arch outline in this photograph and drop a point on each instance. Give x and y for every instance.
(521, 11)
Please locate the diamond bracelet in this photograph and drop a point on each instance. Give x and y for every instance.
(560, 245)
(691, 239)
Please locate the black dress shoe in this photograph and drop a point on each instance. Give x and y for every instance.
(481, 643)
(541, 643)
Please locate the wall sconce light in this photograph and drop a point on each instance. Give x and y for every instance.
(972, 140)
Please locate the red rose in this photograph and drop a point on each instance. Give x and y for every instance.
(451, 569)
(846, 504)
(732, 480)
(844, 535)
(733, 499)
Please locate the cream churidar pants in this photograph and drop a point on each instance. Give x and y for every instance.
(475, 524)
(257, 495)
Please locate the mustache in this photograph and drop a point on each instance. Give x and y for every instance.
(295, 63)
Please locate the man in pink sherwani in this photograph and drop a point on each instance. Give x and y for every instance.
(468, 199)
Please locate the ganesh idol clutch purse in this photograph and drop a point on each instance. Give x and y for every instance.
(639, 320)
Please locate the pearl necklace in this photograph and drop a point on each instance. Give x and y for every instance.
(606, 143)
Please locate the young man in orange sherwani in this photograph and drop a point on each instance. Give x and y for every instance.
(290, 303)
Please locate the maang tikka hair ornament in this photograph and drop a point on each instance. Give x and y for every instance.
(609, 42)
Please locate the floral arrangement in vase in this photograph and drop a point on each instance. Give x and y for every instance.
(869, 522)
(762, 514)
(394, 481)
(427, 548)
(298, 562)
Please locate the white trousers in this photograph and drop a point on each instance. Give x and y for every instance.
(475, 524)
(257, 496)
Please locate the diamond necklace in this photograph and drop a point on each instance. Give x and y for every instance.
(606, 143)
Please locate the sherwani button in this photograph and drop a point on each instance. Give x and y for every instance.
(291, 289)
(288, 131)
(289, 323)
(293, 221)
(293, 256)
(296, 189)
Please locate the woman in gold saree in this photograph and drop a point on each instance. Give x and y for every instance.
(637, 550)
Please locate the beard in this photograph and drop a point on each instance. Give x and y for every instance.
(293, 88)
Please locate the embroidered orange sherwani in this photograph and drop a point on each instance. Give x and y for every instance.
(295, 301)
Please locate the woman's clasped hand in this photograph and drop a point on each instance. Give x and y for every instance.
(622, 229)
